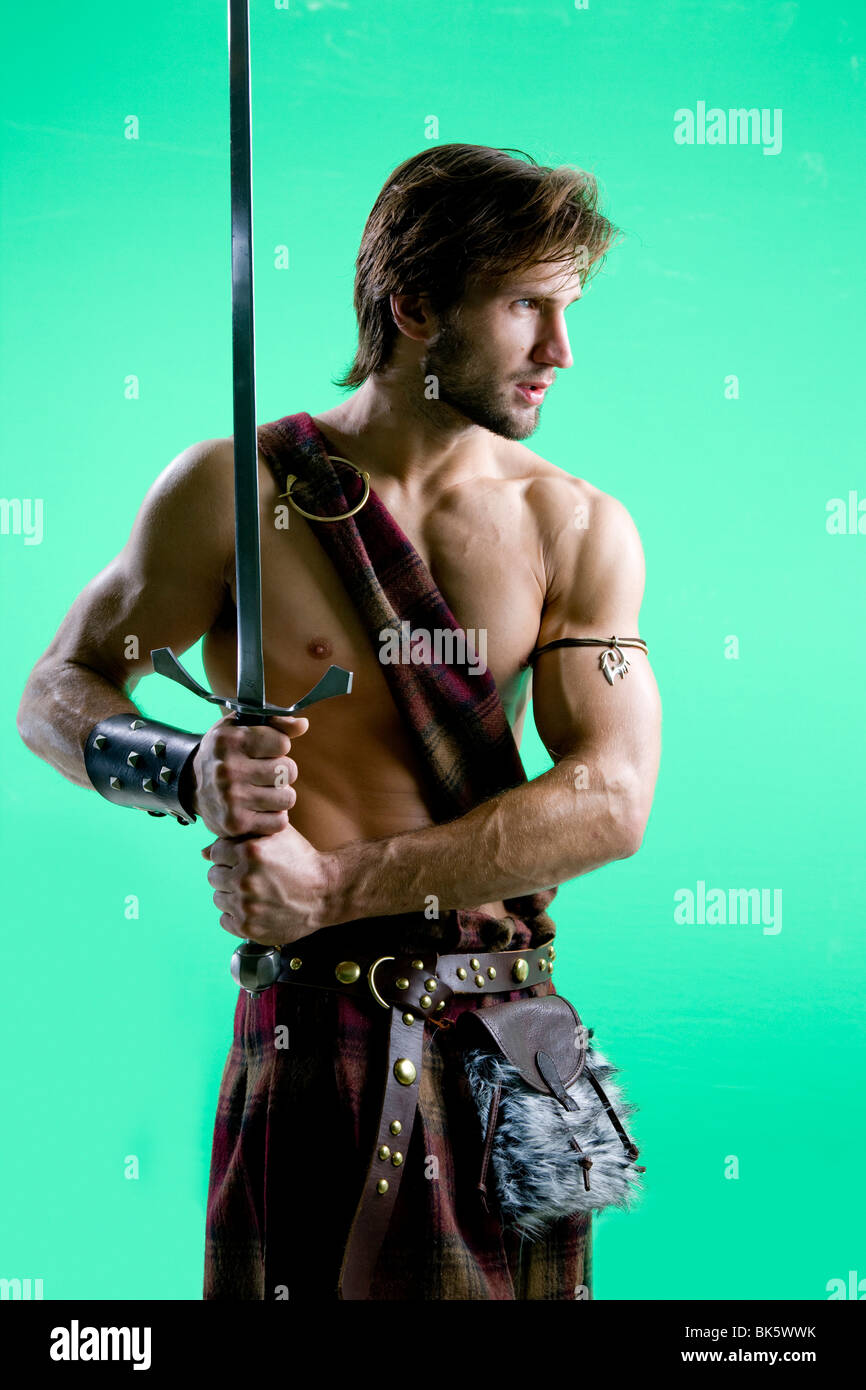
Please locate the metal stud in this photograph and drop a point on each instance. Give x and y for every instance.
(430, 984)
(475, 963)
(165, 774)
(134, 759)
(397, 1159)
(295, 963)
(347, 972)
(100, 741)
(395, 1126)
(115, 782)
(479, 980)
(491, 972)
(408, 1019)
(542, 965)
(384, 1152)
(519, 971)
(137, 724)
(439, 1007)
(382, 1186)
(404, 1070)
(425, 1001)
(417, 965)
(461, 973)
(402, 983)
(149, 785)
(158, 748)
(551, 951)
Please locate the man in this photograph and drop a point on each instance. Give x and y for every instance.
(470, 260)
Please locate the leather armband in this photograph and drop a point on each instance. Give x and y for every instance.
(139, 762)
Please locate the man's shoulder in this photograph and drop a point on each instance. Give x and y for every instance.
(559, 496)
(206, 469)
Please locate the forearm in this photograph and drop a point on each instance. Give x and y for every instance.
(61, 703)
(524, 840)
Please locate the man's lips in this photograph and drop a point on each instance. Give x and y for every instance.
(532, 392)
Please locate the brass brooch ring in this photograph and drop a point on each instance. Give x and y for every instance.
(311, 516)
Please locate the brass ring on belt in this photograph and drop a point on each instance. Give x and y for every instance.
(371, 981)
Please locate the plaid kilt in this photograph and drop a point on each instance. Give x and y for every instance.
(295, 1130)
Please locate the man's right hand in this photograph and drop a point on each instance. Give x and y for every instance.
(243, 777)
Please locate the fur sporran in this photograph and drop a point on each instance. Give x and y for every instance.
(547, 1104)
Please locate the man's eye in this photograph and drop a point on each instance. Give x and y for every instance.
(525, 301)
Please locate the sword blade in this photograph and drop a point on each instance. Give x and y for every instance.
(251, 673)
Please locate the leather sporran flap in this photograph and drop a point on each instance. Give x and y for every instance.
(547, 1104)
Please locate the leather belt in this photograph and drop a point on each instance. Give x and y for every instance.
(415, 990)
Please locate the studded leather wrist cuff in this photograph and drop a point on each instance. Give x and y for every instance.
(139, 762)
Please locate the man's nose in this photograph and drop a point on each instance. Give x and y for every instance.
(554, 347)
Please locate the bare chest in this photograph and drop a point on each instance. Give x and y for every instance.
(482, 557)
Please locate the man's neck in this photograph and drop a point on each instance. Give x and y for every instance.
(384, 429)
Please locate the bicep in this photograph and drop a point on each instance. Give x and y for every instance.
(167, 585)
(596, 590)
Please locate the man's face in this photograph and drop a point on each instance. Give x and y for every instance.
(501, 339)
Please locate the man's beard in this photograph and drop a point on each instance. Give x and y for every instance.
(449, 359)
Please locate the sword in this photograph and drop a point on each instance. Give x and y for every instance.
(254, 967)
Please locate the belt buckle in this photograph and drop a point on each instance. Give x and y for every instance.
(371, 981)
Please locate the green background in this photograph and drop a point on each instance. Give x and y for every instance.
(115, 260)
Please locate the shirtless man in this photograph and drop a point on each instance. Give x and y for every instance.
(519, 548)
(494, 523)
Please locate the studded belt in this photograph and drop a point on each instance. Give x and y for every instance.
(415, 991)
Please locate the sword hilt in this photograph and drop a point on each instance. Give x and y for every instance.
(254, 967)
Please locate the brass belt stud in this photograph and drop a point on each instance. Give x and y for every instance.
(519, 971)
(395, 1126)
(479, 980)
(401, 983)
(430, 984)
(408, 1019)
(397, 1159)
(475, 963)
(382, 1186)
(417, 965)
(404, 1070)
(384, 1152)
(542, 965)
(347, 972)
(461, 973)
(295, 963)
(491, 972)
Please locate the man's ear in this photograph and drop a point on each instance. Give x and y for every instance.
(413, 316)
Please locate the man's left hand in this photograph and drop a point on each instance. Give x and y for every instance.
(270, 888)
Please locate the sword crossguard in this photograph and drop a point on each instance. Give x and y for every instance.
(336, 681)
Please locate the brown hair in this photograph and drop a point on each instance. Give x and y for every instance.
(458, 211)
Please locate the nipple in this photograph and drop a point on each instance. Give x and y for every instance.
(319, 647)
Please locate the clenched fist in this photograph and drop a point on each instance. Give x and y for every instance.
(243, 776)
